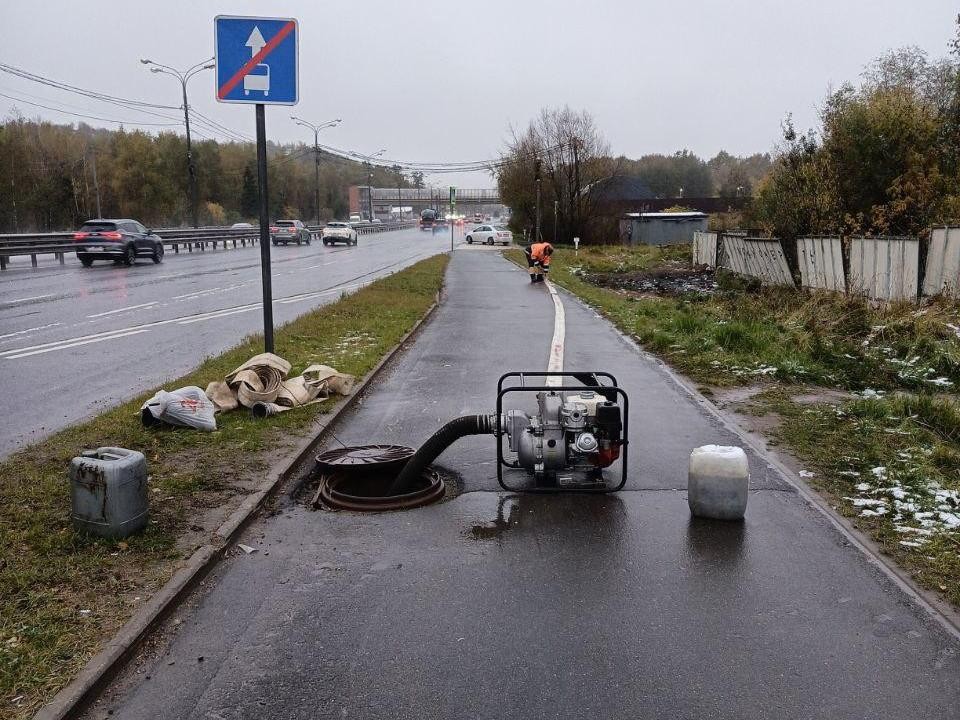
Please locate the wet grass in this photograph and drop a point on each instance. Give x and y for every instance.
(62, 594)
(903, 361)
(890, 464)
(743, 333)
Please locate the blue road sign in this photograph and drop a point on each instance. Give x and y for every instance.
(256, 60)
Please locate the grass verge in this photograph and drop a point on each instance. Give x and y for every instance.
(63, 594)
(887, 456)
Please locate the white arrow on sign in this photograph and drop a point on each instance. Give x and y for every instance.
(255, 42)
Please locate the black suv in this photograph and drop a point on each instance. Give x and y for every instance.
(122, 241)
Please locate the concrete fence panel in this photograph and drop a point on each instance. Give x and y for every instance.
(821, 263)
(705, 248)
(761, 258)
(885, 268)
(942, 274)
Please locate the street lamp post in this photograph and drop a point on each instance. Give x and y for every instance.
(377, 154)
(316, 150)
(183, 76)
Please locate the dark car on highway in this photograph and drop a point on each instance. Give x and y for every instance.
(122, 241)
(288, 231)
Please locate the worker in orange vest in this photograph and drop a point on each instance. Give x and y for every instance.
(538, 260)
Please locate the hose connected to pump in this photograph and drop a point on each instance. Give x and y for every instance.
(437, 443)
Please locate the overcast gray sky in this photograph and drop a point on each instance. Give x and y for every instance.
(442, 81)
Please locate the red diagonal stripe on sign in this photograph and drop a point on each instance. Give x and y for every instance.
(230, 84)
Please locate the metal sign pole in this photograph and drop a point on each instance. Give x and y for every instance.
(264, 231)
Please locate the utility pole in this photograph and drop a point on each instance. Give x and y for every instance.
(369, 165)
(370, 196)
(556, 203)
(316, 152)
(183, 76)
(536, 165)
(575, 210)
(96, 185)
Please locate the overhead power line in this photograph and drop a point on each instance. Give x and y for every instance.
(138, 106)
(33, 77)
(89, 117)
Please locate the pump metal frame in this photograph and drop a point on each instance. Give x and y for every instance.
(524, 388)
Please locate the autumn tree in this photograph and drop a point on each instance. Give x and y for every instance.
(570, 155)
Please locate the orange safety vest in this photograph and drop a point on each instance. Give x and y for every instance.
(538, 252)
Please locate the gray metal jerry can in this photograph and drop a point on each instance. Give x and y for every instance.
(109, 492)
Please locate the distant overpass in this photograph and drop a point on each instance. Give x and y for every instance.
(384, 200)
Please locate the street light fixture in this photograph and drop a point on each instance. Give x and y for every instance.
(316, 149)
(183, 76)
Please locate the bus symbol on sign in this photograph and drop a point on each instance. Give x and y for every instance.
(256, 81)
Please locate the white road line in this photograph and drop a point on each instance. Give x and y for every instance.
(222, 313)
(88, 341)
(195, 292)
(21, 300)
(123, 309)
(29, 330)
(555, 363)
(314, 295)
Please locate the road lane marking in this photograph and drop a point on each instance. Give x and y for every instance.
(555, 364)
(319, 293)
(220, 314)
(17, 301)
(195, 292)
(123, 309)
(87, 341)
(29, 330)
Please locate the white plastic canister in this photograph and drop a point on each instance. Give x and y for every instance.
(718, 482)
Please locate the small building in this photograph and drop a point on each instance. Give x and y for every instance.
(661, 228)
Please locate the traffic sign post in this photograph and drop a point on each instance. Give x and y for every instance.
(257, 65)
(453, 206)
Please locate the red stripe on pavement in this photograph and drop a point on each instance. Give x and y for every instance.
(264, 51)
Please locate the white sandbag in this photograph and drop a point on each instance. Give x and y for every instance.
(187, 407)
(718, 482)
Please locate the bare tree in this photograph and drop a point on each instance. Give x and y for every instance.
(573, 159)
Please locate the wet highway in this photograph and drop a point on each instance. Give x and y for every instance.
(502, 605)
(74, 340)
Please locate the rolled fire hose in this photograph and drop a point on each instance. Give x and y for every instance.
(437, 443)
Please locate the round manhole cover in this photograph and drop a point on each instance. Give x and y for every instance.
(365, 457)
(359, 478)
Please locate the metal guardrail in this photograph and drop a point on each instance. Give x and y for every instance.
(188, 239)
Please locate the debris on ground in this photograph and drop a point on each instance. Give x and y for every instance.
(187, 407)
(665, 280)
(261, 384)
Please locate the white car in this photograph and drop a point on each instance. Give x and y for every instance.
(334, 232)
(490, 234)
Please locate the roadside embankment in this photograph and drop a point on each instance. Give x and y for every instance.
(63, 595)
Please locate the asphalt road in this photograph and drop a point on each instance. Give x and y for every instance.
(499, 605)
(74, 340)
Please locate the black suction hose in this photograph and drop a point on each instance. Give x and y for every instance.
(438, 442)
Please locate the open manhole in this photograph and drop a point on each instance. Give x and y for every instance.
(359, 478)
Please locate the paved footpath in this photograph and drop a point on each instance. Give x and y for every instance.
(495, 605)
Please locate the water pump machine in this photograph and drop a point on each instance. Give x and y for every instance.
(579, 429)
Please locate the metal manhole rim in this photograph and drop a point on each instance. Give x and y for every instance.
(333, 498)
